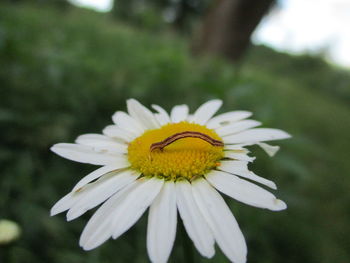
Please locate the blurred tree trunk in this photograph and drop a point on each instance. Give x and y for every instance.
(228, 25)
(183, 10)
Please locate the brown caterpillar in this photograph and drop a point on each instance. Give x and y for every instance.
(186, 134)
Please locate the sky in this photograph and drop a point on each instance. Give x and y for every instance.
(99, 5)
(299, 26)
(295, 26)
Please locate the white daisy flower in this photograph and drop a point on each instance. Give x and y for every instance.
(9, 231)
(169, 163)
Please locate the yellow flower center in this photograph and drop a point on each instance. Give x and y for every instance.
(186, 157)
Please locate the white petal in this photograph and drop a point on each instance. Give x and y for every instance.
(99, 227)
(179, 113)
(221, 221)
(257, 135)
(189, 118)
(101, 142)
(244, 191)
(99, 172)
(160, 119)
(97, 192)
(94, 139)
(63, 204)
(235, 147)
(162, 116)
(66, 203)
(269, 149)
(236, 127)
(101, 234)
(84, 154)
(134, 205)
(226, 118)
(239, 156)
(194, 222)
(206, 111)
(75, 196)
(142, 114)
(115, 132)
(240, 168)
(162, 219)
(127, 123)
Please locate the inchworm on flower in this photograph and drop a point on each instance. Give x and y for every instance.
(186, 134)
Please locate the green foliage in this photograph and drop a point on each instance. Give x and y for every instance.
(312, 71)
(64, 74)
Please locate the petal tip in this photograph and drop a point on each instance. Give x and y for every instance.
(53, 212)
(56, 209)
(87, 248)
(55, 147)
(217, 101)
(210, 253)
(69, 217)
(279, 205)
(130, 100)
(288, 135)
(273, 186)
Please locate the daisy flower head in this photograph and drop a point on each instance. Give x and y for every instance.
(170, 162)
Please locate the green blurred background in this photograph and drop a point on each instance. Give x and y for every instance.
(65, 70)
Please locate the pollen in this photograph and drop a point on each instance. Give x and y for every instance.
(187, 157)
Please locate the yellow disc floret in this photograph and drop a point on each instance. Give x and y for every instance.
(187, 157)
